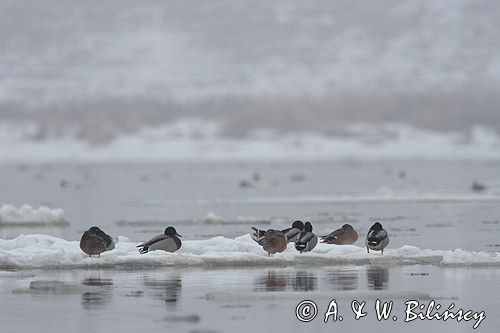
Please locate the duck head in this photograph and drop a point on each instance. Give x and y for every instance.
(376, 226)
(170, 231)
(347, 226)
(298, 224)
(94, 230)
(308, 227)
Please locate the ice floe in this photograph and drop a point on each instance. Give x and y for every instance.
(196, 140)
(49, 252)
(29, 216)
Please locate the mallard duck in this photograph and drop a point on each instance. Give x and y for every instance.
(273, 242)
(95, 241)
(377, 238)
(343, 236)
(306, 240)
(290, 234)
(168, 241)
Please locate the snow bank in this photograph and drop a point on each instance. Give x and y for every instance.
(195, 140)
(44, 251)
(27, 215)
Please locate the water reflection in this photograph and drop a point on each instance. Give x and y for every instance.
(92, 300)
(279, 280)
(97, 281)
(98, 295)
(273, 280)
(305, 281)
(343, 279)
(168, 289)
(378, 277)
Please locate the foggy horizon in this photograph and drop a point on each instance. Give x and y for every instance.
(114, 67)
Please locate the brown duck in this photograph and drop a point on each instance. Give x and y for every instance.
(95, 241)
(273, 242)
(343, 236)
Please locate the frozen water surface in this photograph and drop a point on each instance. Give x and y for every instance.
(444, 244)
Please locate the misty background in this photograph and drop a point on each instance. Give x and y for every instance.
(97, 69)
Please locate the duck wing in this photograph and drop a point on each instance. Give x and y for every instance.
(306, 242)
(153, 240)
(110, 244)
(291, 234)
(92, 244)
(332, 237)
(374, 237)
(169, 244)
(161, 242)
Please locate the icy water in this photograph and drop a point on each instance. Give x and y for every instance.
(247, 300)
(425, 204)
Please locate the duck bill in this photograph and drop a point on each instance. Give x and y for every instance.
(178, 235)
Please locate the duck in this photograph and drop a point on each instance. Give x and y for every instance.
(257, 235)
(306, 240)
(95, 241)
(168, 241)
(343, 236)
(291, 234)
(377, 238)
(273, 242)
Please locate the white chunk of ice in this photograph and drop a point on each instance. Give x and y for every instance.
(44, 251)
(28, 215)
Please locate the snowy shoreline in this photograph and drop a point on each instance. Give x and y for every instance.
(49, 252)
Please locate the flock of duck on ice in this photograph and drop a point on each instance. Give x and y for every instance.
(95, 241)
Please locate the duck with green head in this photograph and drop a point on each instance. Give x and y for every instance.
(306, 241)
(169, 241)
(377, 238)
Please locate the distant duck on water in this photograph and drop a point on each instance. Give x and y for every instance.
(95, 241)
(168, 241)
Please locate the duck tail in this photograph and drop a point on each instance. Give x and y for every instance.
(257, 232)
(300, 246)
(145, 249)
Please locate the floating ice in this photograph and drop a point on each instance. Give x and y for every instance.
(27, 215)
(193, 140)
(49, 252)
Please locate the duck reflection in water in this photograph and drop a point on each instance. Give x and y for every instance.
(305, 281)
(279, 280)
(378, 277)
(343, 279)
(168, 289)
(272, 280)
(98, 294)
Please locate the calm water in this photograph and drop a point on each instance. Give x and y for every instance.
(431, 206)
(247, 300)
